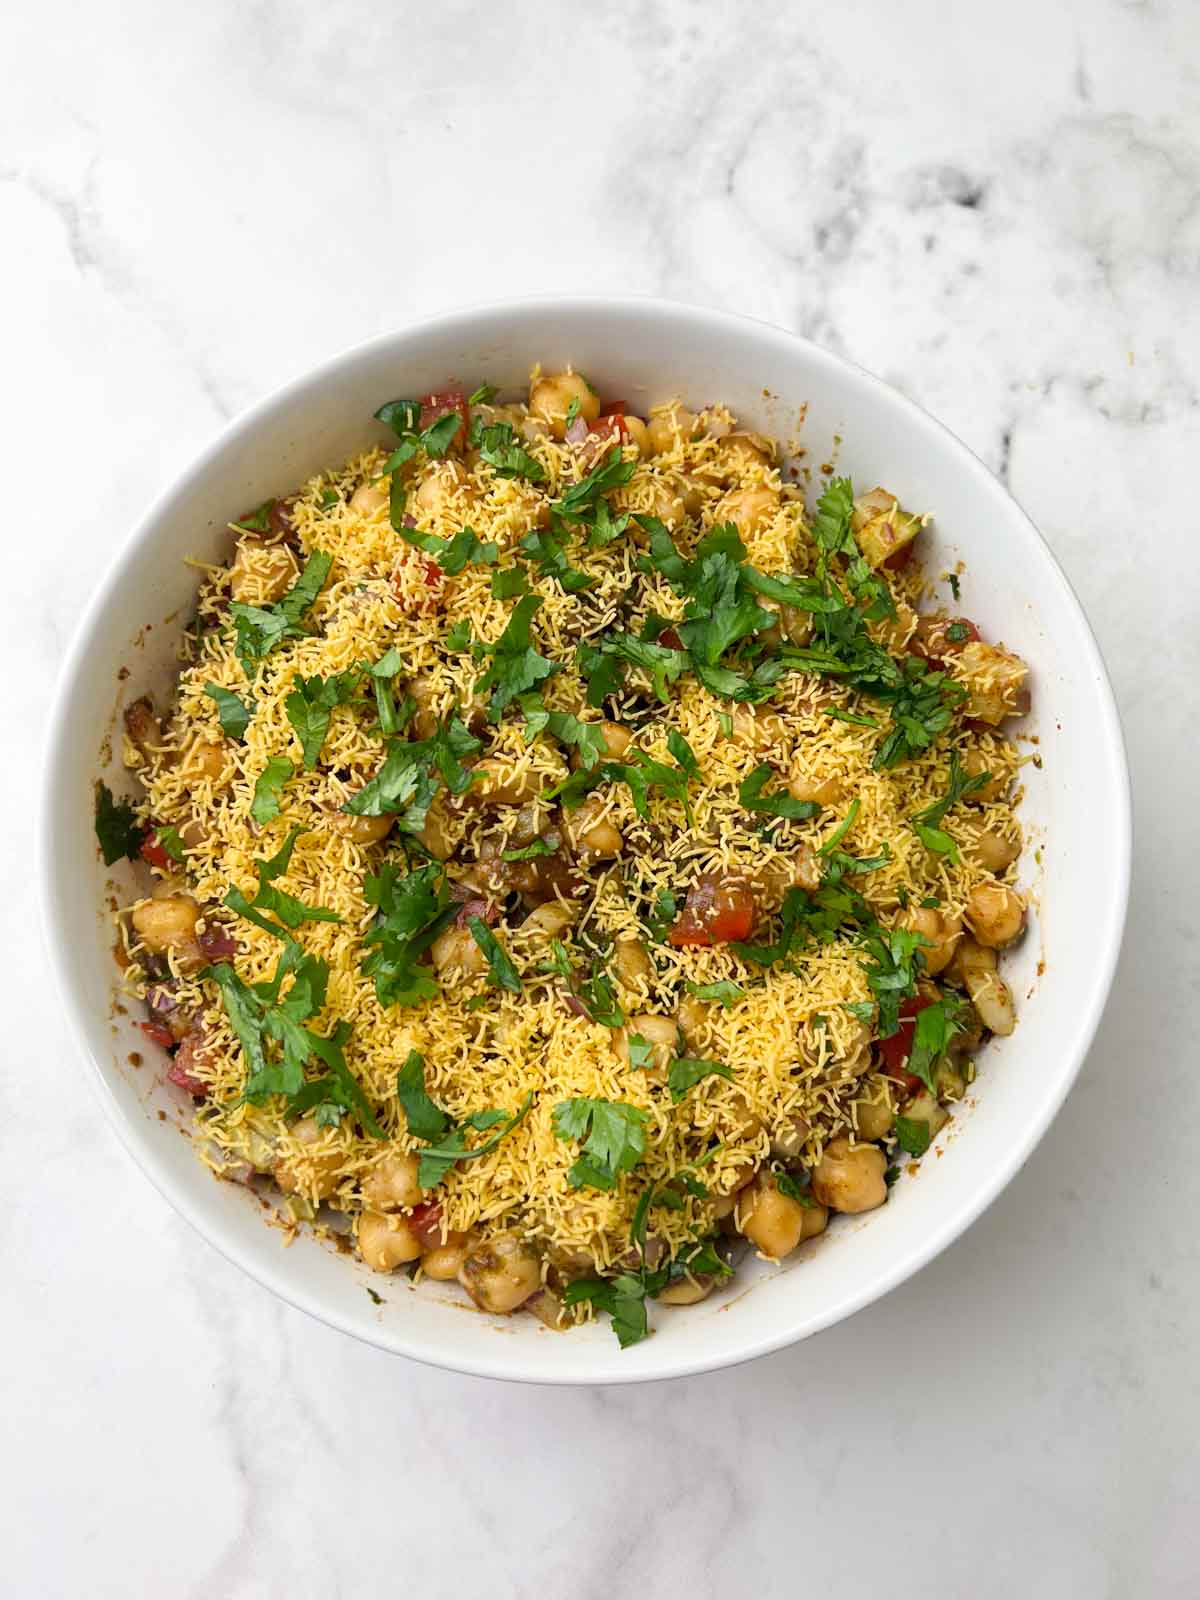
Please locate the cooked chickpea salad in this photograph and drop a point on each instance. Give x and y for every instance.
(572, 862)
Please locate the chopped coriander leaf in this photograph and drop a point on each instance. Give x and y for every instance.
(613, 1135)
(623, 1297)
(548, 552)
(605, 526)
(259, 629)
(842, 829)
(171, 842)
(641, 1051)
(686, 1072)
(540, 847)
(936, 1025)
(408, 779)
(516, 666)
(724, 992)
(894, 965)
(290, 911)
(958, 633)
(576, 503)
(484, 393)
(586, 737)
(509, 583)
(794, 1189)
(572, 411)
(425, 1119)
(930, 903)
(401, 416)
(437, 1159)
(265, 804)
(599, 999)
(234, 714)
(839, 714)
(952, 579)
(683, 753)
(503, 973)
(725, 723)
(603, 661)
(912, 1135)
(662, 918)
(453, 554)
(117, 828)
(497, 444)
(411, 911)
(559, 962)
(311, 704)
(258, 521)
(926, 823)
(458, 637)
(778, 804)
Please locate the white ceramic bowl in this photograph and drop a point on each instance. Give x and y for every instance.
(1077, 804)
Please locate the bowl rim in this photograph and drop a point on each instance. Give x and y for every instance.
(391, 1337)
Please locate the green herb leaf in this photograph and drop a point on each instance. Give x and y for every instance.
(290, 911)
(516, 666)
(509, 583)
(265, 804)
(117, 828)
(503, 973)
(613, 1134)
(777, 804)
(912, 1135)
(641, 1051)
(935, 1026)
(724, 992)
(437, 1159)
(497, 444)
(795, 1190)
(234, 714)
(687, 1071)
(425, 1119)
(258, 521)
(311, 704)
(260, 629)
(411, 910)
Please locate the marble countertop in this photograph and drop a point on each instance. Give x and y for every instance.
(995, 208)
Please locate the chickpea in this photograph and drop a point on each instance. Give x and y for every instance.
(369, 498)
(455, 950)
(363, 830)
(820, 791)
(639, 435)
(194, 833)
(392, 1184)
(996, 914)
(974, 966)
(438, 491)
(773, 1222)
(974, 764)
(548, 1309)
(799, 870)
(632, 963)
(992, 851)
(425, 718)
(261, 572)
(873, 1118)
(205, 759)
(942, 932)
(687, 1291)
(744, 1123)
(617, 739)
(501, 1274)
(660, 1033)
(850, 1177)
(552, 920)
(315, 1172)
(142, 727)
(666, 503)
(592, 836)
(757, 728)
(445, 1261)
(169, 924)
(668, 426)
(385, 1242)
(723, 1205)
(695, 1017)
(550, 399)
(434, 832)
(788, 1141)
(501, 785)
(751, 509)
(739, 453)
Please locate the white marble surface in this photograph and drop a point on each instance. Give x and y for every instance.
(998, 209)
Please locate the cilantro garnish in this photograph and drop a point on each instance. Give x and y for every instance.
(912, 1135)
(409, 777)
(926, 823)
(117, 828)
(791, 1186)
(429, 1122)
(265, 804)
(290, 911)
(613, 1135)
(234, 713)
(412, 910)
(548, 552)
(725, 992)
(258, 520)
(778, 804)
(310, 705)
(578, 503)
(509, 583)
(259, 629)
(484, 393)
(936, 1025)
(686, 1072)
(502, 972)
(497, 444)
(516, 666)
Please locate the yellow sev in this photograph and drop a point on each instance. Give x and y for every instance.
(791, 1044)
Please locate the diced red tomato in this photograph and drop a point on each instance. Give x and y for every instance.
(610, 424)
(433, 574)
(716, 911)
(437, 404)
(897, 1049)
(181, 1071)
(154, 853)
(900, 558)
(613, 408)
(158, 1033)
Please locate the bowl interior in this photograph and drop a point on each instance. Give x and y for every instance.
(1076, 805)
